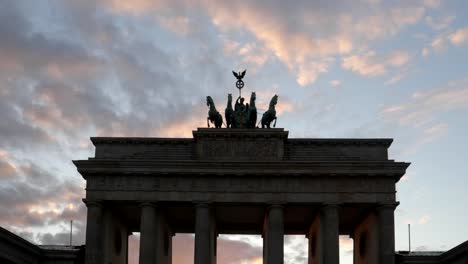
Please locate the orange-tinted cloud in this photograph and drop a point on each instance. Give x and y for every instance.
(371, 64)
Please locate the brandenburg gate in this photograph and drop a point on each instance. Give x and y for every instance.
(240, 181)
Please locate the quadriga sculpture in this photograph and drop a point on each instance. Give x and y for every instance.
(229, 112)
(270, 115)
(252, 112)
(213, 115)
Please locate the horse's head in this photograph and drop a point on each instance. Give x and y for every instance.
(274, 100)
(229, 98)
(253, 97)
(209, 101)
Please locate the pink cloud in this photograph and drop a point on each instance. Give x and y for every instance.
(365, 64)
(346, 243)
(424, 220)
(8, 168)
(371, 64)
(459, 37)
(440, 42)
(335, 83)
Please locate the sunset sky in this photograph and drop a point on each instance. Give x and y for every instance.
(73, 69)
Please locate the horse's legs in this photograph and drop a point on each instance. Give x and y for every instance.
(208, 121)
(274, 124)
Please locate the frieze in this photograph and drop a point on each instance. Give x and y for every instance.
(233, 184)
(240, 150)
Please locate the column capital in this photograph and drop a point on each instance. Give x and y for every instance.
(202, 204)
(275, 203)
(275, 206)
(148, 204)
(93, 203)
(326, 206)
(383, 206)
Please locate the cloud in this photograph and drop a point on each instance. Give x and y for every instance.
(335, 83)
(459, 37)
(36, 202)
(7, 168)
(136, 7)
(398, 58)
(432, 3)
(425, 51)
(306, 45)
(421, 114)
(423, 107)
(398, 77)
(424, 219)
(439, 23)
(347, 244)
(364, 65)
(252, 54)
(370, 64)
(428, 135)
(440, 42)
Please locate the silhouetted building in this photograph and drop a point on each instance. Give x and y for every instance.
(16, 250)
(235, 181)
(456, 255)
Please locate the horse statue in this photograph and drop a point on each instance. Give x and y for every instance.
(270, 115)
(252, 112)
(229, 112)
(213, 115)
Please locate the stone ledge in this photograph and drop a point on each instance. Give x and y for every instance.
(243, 133)
(139, 140)
(272, 169)
(385, 142)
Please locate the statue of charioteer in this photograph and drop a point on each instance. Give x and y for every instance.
(242, 115)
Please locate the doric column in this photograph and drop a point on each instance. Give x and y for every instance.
(331, 244)
(386, 226)
(148, 233)
(94, 233)
(274, 235)
(314, 235)
(205, 237)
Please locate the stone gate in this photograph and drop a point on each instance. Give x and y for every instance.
(240, 181)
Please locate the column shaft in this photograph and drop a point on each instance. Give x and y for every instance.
(94, 234)
(331, 243)
(274, 252)
(386, 223)
(315, 241)
(205, 237)
(148, 234)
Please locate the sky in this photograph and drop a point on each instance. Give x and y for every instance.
(73, 69)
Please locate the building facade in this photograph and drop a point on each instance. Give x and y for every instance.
(240, 181)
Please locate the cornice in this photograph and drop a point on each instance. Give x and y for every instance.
(388, 168)
(385, 142)
(139, 140)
